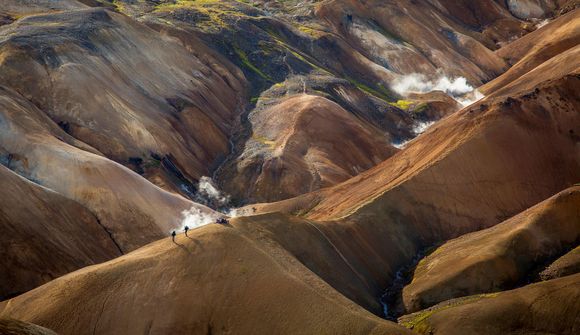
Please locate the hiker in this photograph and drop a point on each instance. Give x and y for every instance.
(186, 229)
(173, 236)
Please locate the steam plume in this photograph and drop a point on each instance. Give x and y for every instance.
(458, 88)
(419, 83)
(209, 195)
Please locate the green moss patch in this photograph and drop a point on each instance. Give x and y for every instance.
(419, 322)
(248, 64)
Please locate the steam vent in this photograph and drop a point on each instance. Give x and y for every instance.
(300, 167)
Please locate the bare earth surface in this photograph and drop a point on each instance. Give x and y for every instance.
(387, 167)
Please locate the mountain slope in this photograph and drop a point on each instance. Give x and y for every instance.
(164, 113)
(549, 307)
(133, 210)
(530, 51)
(566, 265)
(15, 327)
(295, 145)
(497, 258)
(470, 171)
(110, 115)
(187, 287)
(44, 236)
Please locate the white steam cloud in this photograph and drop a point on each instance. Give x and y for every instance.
(195, 217)
(470, 98)
(419, 83)
(458, 88)
(209, 195)
(418, 129)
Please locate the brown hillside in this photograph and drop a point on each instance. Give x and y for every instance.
(472, 170)
(563, 266)
(547, 44)
(549, 307)
(163, 109)
(44, 235)
(238, 279)
(15, 327)
(496, 258)
(132, 209)
(301, 144)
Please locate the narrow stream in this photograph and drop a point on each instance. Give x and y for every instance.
(393, 294)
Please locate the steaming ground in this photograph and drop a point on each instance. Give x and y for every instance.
(210, 195)
(470, 98)
(458, 88)
(194, 218)
(418, 129)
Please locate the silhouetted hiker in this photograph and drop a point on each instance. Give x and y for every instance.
(173, 236)
(186, 229)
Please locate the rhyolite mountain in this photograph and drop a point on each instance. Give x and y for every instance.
(396, 167)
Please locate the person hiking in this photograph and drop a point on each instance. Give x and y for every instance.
(173, 236)
(186, 229)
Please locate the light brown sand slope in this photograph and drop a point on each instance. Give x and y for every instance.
(221, 279)
(544, 308)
